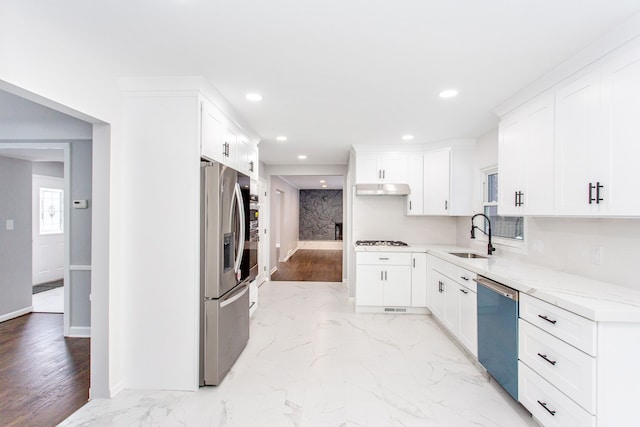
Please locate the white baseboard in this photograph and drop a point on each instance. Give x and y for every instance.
(117, 388)
(16, 313)
(290, 254)
(80, 332)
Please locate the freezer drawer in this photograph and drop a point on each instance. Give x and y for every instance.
(226, 332)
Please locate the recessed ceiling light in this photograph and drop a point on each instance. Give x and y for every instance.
(324, 185)
(449, 93)
(281, 138)
(253, 97)
(302, 157)
(407, 137)
(322, 181)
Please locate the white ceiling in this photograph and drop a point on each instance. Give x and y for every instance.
(307, 182)
(339, 72)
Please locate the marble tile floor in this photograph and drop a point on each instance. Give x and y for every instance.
(312, 361)
(49, 301)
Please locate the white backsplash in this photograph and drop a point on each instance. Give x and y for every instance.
(603, 249)
(383, 218)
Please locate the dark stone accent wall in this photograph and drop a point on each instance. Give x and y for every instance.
(320, 210)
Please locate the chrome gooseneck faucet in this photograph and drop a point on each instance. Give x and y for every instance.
(490, 248)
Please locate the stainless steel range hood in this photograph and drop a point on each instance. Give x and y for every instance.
(382, 189)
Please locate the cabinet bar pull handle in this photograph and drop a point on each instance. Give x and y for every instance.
(591, 187)
(414, 263)
(464, 291)
(381, 275)
(464, 278)
(409, 204)
(383, 259)
(598, 187)
(379, 173)
(544, 405)
(385, 275)
(446, 205)
(544, 356)
(547, 319)
(384, 174)
(251, 166)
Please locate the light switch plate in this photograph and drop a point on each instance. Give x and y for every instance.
(9, 224)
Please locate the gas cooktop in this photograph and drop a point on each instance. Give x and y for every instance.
(380, 243)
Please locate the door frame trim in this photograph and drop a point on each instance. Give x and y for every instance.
(66, 147)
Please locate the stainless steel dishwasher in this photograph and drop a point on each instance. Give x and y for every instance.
(498, 332)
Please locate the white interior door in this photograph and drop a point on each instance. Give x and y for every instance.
(48, 229)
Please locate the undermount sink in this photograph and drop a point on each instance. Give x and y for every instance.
(469, 255)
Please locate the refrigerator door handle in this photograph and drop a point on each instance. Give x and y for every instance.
(234, 296)
(240, 246)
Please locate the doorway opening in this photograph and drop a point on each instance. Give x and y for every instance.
(309, 227)
(48, 236)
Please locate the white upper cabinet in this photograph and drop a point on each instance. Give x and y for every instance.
(621, 97)
(436, 182)
(222, 141)
(414, 201)
(525, 159)
(597, 134)
(212, 134)
(591, 122)
(372, 168)
(447, 181)
(247, 157)
(581, 148)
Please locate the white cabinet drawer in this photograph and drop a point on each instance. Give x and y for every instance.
(576, 330)
(567, 368)
(452, 271)
(384, 258)
(547, 404)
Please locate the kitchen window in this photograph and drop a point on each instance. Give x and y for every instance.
(508, 230)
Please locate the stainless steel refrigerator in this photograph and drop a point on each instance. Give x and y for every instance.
(226, 269)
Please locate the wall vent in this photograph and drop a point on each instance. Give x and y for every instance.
(395, 310)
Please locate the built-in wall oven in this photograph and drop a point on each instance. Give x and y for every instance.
(498, 332)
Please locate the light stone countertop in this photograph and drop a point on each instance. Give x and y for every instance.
(594, 299)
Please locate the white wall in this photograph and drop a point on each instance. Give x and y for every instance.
(564, 243)
(289, 215)
(44, 61)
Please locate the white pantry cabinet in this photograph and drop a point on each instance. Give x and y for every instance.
(373, 168)
(525, 159)
(448, 181)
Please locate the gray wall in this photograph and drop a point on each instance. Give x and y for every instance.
(320, 210)
(15, 246)
(79, 286)
(80, 237)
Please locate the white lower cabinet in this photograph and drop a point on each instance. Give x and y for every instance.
(574, 371)
(452, 299)
(419, 280)
(547, 404)
(383, 279)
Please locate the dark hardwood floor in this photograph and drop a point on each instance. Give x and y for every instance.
(311, 265)
(44, 377)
